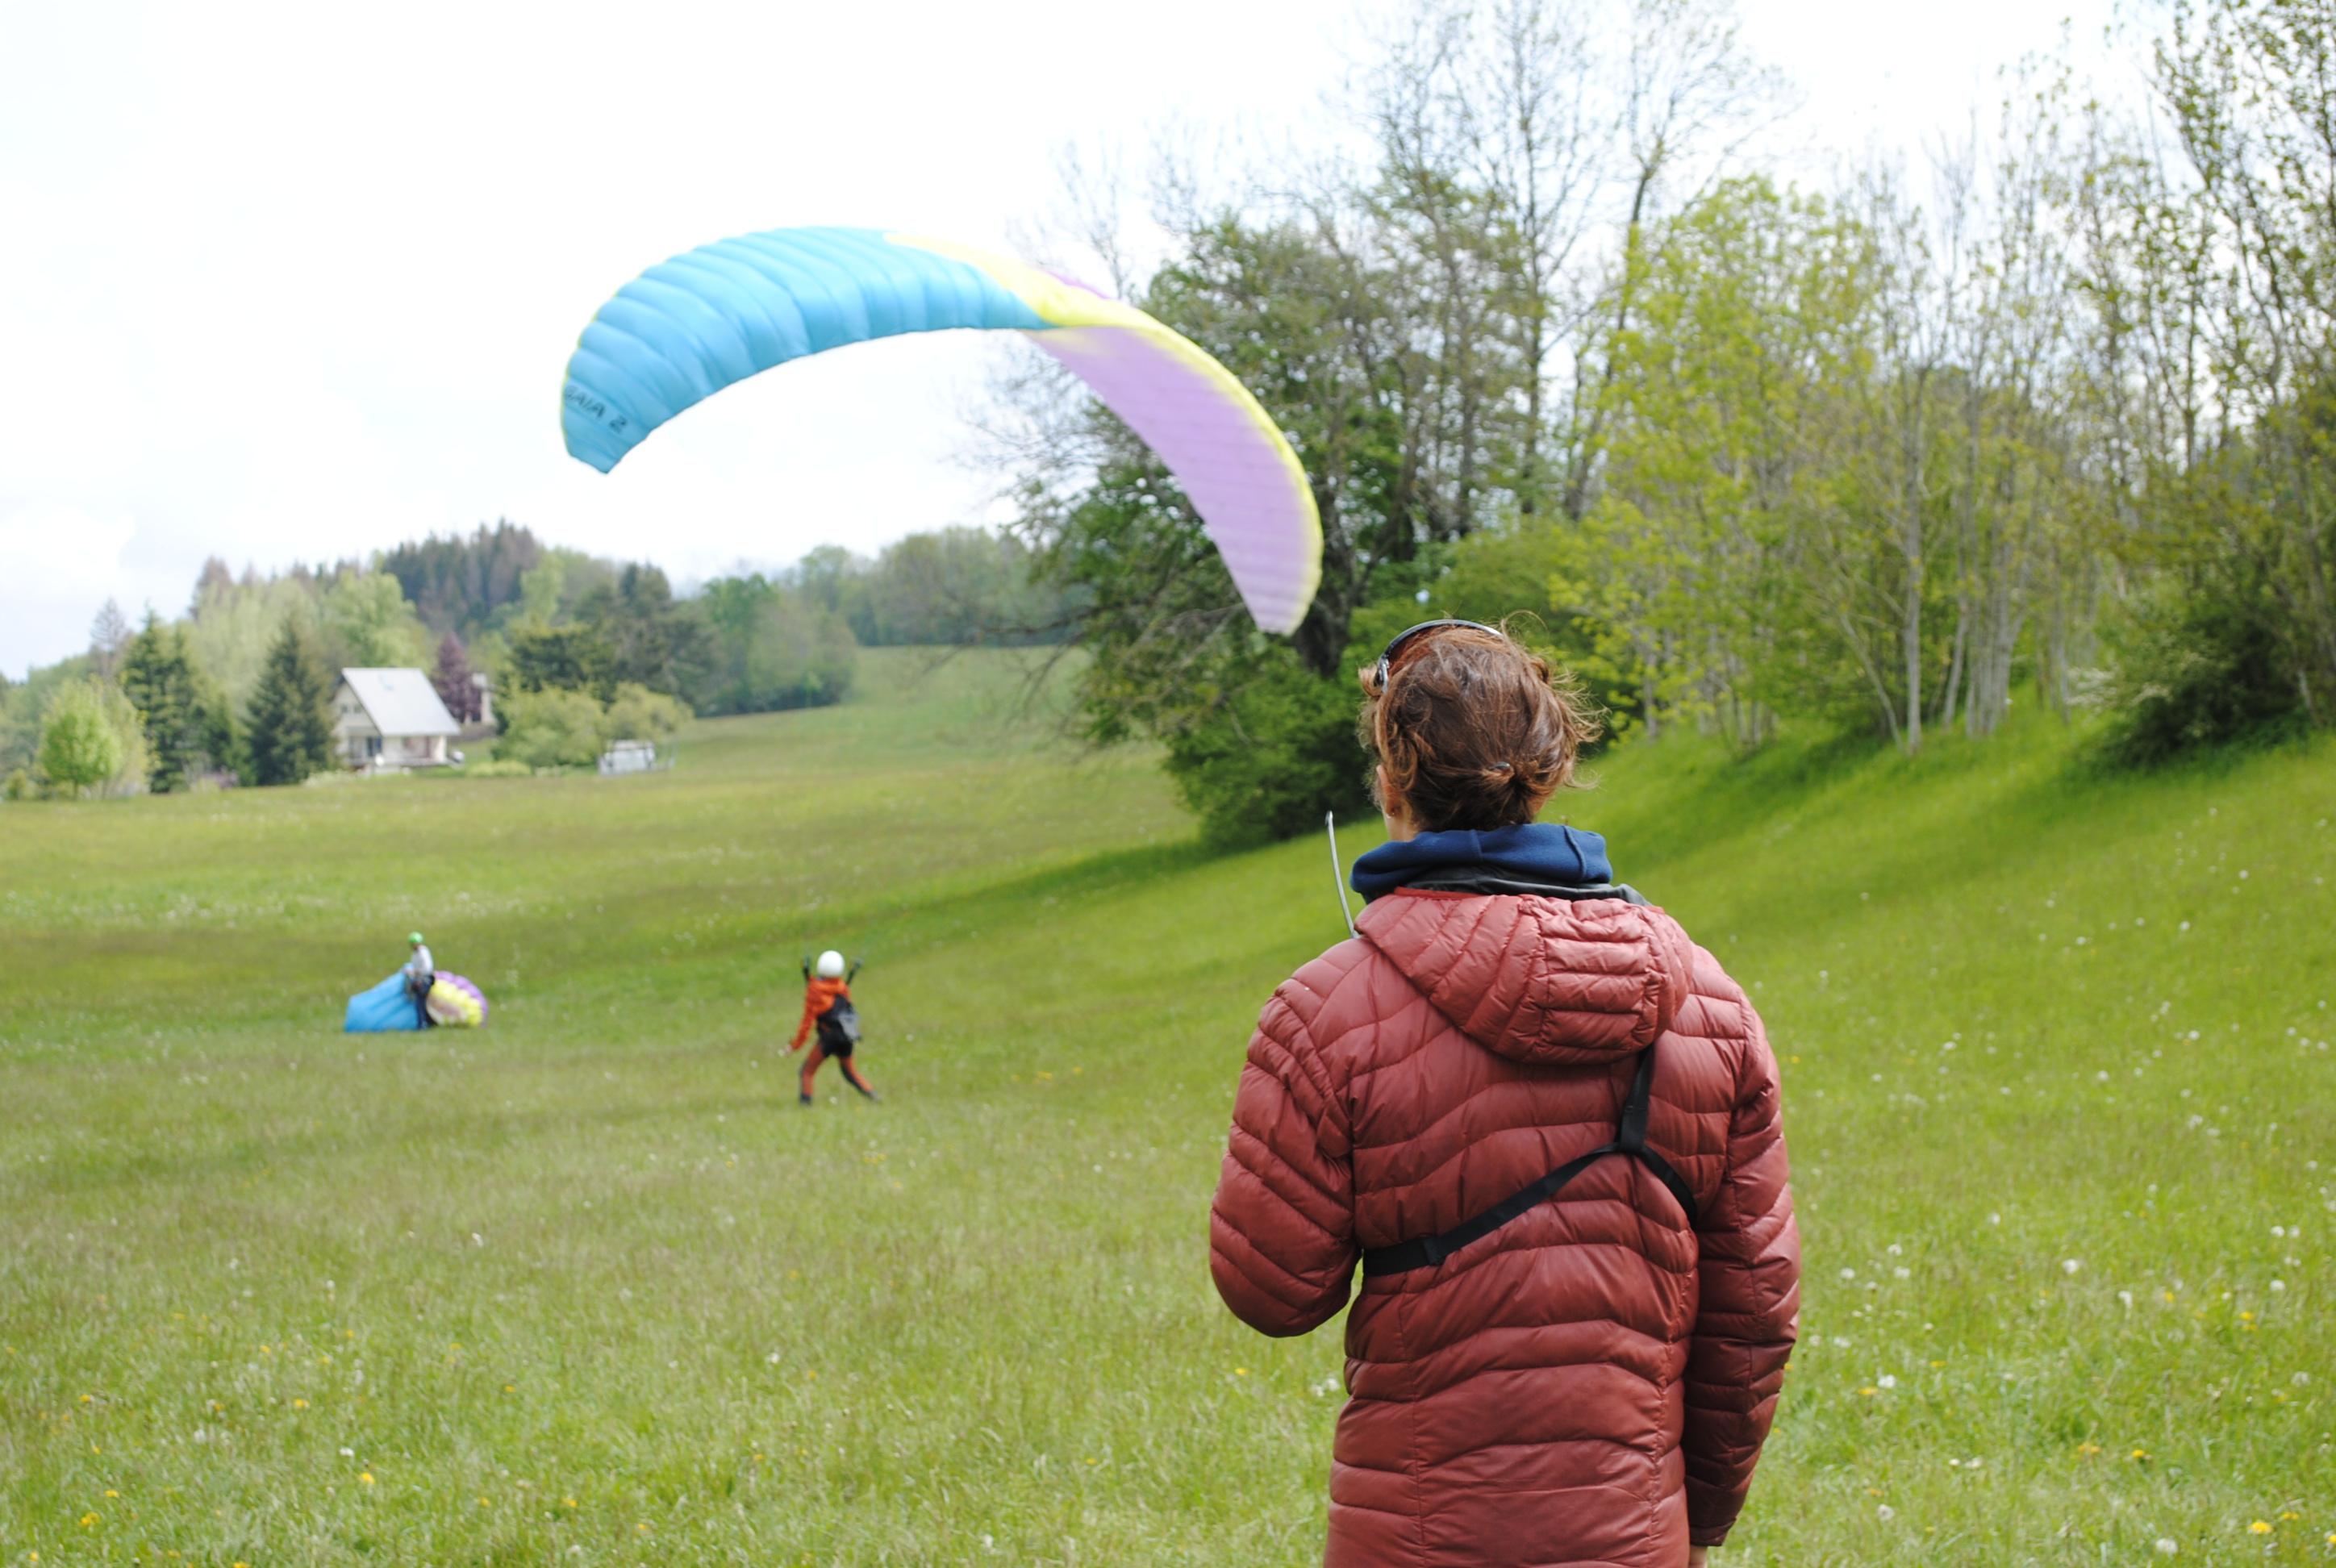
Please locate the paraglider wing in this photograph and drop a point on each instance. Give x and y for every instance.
(388, 1007)
(690, 326)
(455, 1003)
(385, 1010)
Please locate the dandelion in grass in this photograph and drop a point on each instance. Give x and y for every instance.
(2260, 1527)
(365, 1478)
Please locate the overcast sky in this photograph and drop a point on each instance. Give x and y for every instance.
(298, 281)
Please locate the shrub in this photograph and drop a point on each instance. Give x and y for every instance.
(2196, 668)
(1271, 755)
(552, 728)
(637, 712)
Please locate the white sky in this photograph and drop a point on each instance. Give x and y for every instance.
(298, 281)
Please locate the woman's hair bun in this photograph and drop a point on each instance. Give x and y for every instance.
(1474, 730)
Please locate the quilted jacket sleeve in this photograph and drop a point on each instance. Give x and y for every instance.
(1281, 1232)
(1749, 1306)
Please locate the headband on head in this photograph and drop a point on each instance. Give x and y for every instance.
(1380, 671)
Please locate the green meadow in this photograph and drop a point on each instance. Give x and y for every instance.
(588, 1287)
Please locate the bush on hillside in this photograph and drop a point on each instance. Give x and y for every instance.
(1271, 754)
(2191, 670)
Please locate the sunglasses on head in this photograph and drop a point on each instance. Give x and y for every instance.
(1409, 634)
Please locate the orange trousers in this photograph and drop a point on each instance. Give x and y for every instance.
(851, 1074)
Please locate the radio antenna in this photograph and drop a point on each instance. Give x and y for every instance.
(1337, 874)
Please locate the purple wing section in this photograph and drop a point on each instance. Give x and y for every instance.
(1255, 508)
(477, 996)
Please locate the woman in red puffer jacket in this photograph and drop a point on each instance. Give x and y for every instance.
(1545, 1123)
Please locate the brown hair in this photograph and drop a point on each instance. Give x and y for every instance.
(1474, 730)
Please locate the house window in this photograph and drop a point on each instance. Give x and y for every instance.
(372, 745)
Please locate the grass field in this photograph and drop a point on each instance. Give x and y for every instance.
(587, 1287)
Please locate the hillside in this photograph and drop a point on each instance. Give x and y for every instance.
(2057, 1080)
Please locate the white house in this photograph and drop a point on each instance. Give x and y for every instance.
(390, 718)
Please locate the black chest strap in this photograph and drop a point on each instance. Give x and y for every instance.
(1629, 1138)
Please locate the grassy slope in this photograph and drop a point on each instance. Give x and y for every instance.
(596, 1255)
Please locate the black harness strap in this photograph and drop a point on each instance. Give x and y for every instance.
(1629, 1138)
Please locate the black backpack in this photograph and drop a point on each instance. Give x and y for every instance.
(840, 1024)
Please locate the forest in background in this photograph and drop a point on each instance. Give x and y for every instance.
(2043, 416)
(578, 650)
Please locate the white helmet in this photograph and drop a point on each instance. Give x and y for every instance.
(829, 964)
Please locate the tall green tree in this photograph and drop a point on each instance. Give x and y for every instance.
(289, 730)
(652, 639)
(562, 658)
(771, 645)
(81, 747)
(159, 680)
(366, 623)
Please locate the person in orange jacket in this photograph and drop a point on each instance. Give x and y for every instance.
(829, 1012)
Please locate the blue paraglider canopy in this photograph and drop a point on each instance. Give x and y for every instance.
(385, 1007)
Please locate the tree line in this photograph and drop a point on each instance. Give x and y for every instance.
(577, 651)
(2048, 417)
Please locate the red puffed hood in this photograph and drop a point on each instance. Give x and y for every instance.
(1537, 978)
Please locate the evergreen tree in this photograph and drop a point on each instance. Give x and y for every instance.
(562, 658)
(453, 680)
(652, 640)
(159, 678)
(210, 584)
(289, 733)
(465, 585)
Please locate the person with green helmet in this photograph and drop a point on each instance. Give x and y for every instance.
(420, 974)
